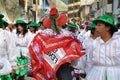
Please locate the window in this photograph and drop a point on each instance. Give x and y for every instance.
(118, 3)
(34, 1)
(110, 1)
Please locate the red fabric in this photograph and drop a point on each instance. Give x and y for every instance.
(62, 19)
(53, 12)
(50, 52)
(47, 23)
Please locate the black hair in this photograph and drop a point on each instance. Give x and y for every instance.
(35, 28)
(25, 30)
(92, 31)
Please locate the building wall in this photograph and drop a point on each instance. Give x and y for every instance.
(116, 10)
(84, 13)
(73, 9)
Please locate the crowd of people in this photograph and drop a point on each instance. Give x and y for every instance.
(99, 40)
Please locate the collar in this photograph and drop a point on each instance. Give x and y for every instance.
(112, 38)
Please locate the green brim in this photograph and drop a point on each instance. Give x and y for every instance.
(73, 26)
(1, 16)
(96, 21)
(21, 23)
(2, 22)
(34, 25)
(6, 24)
(92, 26)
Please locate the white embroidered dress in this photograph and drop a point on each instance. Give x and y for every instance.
(105, 60)
(7, 52)
(22, 44)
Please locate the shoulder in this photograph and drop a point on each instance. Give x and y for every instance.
(66, 32)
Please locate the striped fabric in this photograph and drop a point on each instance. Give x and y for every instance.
(105, 60)
(50, 52)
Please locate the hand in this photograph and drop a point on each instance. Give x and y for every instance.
(23, 56)
(85, 27)
(13, 72)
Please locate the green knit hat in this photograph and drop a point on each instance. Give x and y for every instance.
(107, 19)
(20, 22)
(73, 26)
(92, 26)
(33, 24)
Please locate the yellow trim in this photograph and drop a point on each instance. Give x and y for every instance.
(74, 4)
(74, 17)
(73, 11)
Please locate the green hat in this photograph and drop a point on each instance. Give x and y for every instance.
(107, 19)
(2, 22)
(40, 22)
(92, 26)
(5, 23)
(20, 22)
(1, 16)
(73, 25)
(33, 24)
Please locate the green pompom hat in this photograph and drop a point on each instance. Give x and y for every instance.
(107, 19)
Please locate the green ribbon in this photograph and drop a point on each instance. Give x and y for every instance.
(22, 65)
(54, 25)
(6, 77)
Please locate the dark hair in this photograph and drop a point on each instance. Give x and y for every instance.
(35, 28)
(112, 29)
(25, 30)
(92, 31)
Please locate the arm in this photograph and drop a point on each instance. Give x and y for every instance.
(89, 62)
(11, 49)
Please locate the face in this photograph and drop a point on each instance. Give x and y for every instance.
(42, 27)
(95, 32)
(101, 29)
(3, 27)
(20, 28)
(31, 29)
